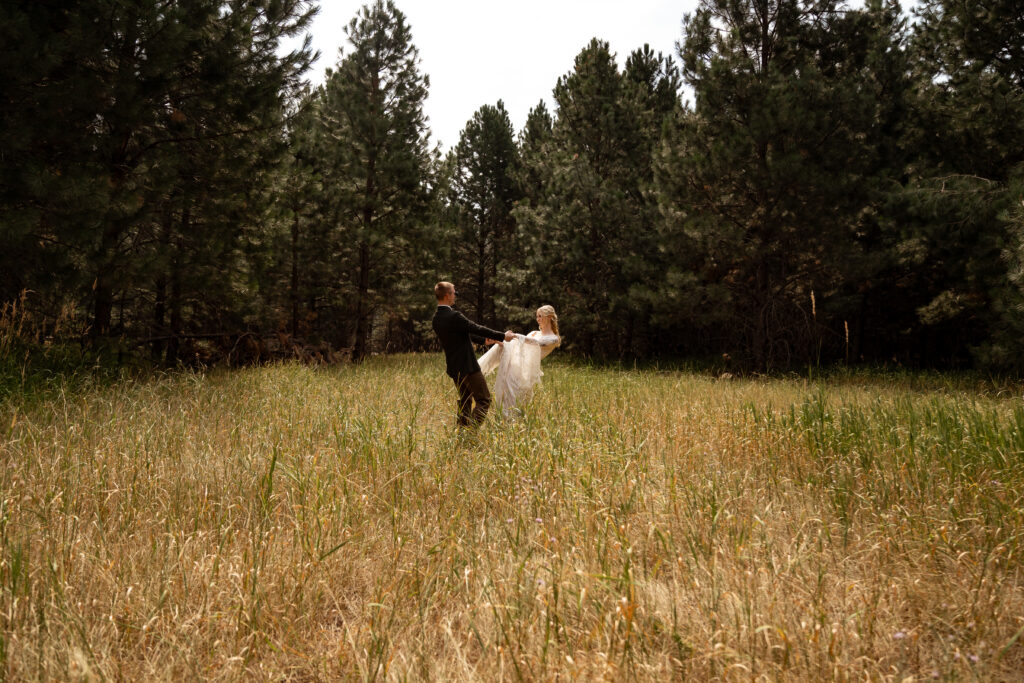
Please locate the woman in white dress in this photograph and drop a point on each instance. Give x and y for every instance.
(518, 361)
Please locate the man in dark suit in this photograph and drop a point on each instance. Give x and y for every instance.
(457, 335)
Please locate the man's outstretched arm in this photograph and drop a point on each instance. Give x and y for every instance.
(474, 330)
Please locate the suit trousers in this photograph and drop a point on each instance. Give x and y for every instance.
(472, 389)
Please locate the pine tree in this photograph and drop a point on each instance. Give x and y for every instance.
(483, 192)
(138, 116)
(652, 86)
(590, 219)
(970, 68)
(379, 165)
(304, 263)
(764, 185)
(530, 173)
(1005, 347)
(50, 189)
(968, 137)
(228, 103)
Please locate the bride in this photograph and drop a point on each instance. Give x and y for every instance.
(518, 361)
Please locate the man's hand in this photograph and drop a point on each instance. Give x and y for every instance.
(509, 335)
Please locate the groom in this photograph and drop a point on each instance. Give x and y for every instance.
(457, 335)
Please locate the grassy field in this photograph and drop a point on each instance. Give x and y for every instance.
(294, 523)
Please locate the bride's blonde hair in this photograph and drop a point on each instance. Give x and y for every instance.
(548, 311)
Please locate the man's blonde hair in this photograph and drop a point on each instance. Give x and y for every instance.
(443, 289)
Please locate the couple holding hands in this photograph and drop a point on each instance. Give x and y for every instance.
(516, 357)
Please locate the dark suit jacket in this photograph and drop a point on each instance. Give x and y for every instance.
(457, 335)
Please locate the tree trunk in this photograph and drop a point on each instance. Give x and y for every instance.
(295, 276)
(762, 299)
(858, 331)
(103, 302)
(360, 350)
(499, 248)
(159, 318)
(627, 347)
(481, 279)
(160, 288)
(174, 345)
(107, 261)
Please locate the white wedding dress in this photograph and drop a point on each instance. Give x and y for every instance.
(518, 366)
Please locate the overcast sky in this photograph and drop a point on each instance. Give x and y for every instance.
(479, 51)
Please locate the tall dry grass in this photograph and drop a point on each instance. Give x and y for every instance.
(291, 523)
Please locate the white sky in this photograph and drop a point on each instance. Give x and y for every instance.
(479, 51)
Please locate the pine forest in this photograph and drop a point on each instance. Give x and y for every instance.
(803, 183)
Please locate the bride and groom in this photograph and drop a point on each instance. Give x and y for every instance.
(516, 357)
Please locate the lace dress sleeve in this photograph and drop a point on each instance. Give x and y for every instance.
(541, 340)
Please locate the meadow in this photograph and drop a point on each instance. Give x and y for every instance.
(296, 523)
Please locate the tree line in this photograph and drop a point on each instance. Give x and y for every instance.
(802, 183)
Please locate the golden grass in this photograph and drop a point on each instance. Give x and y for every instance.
(320, 524)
